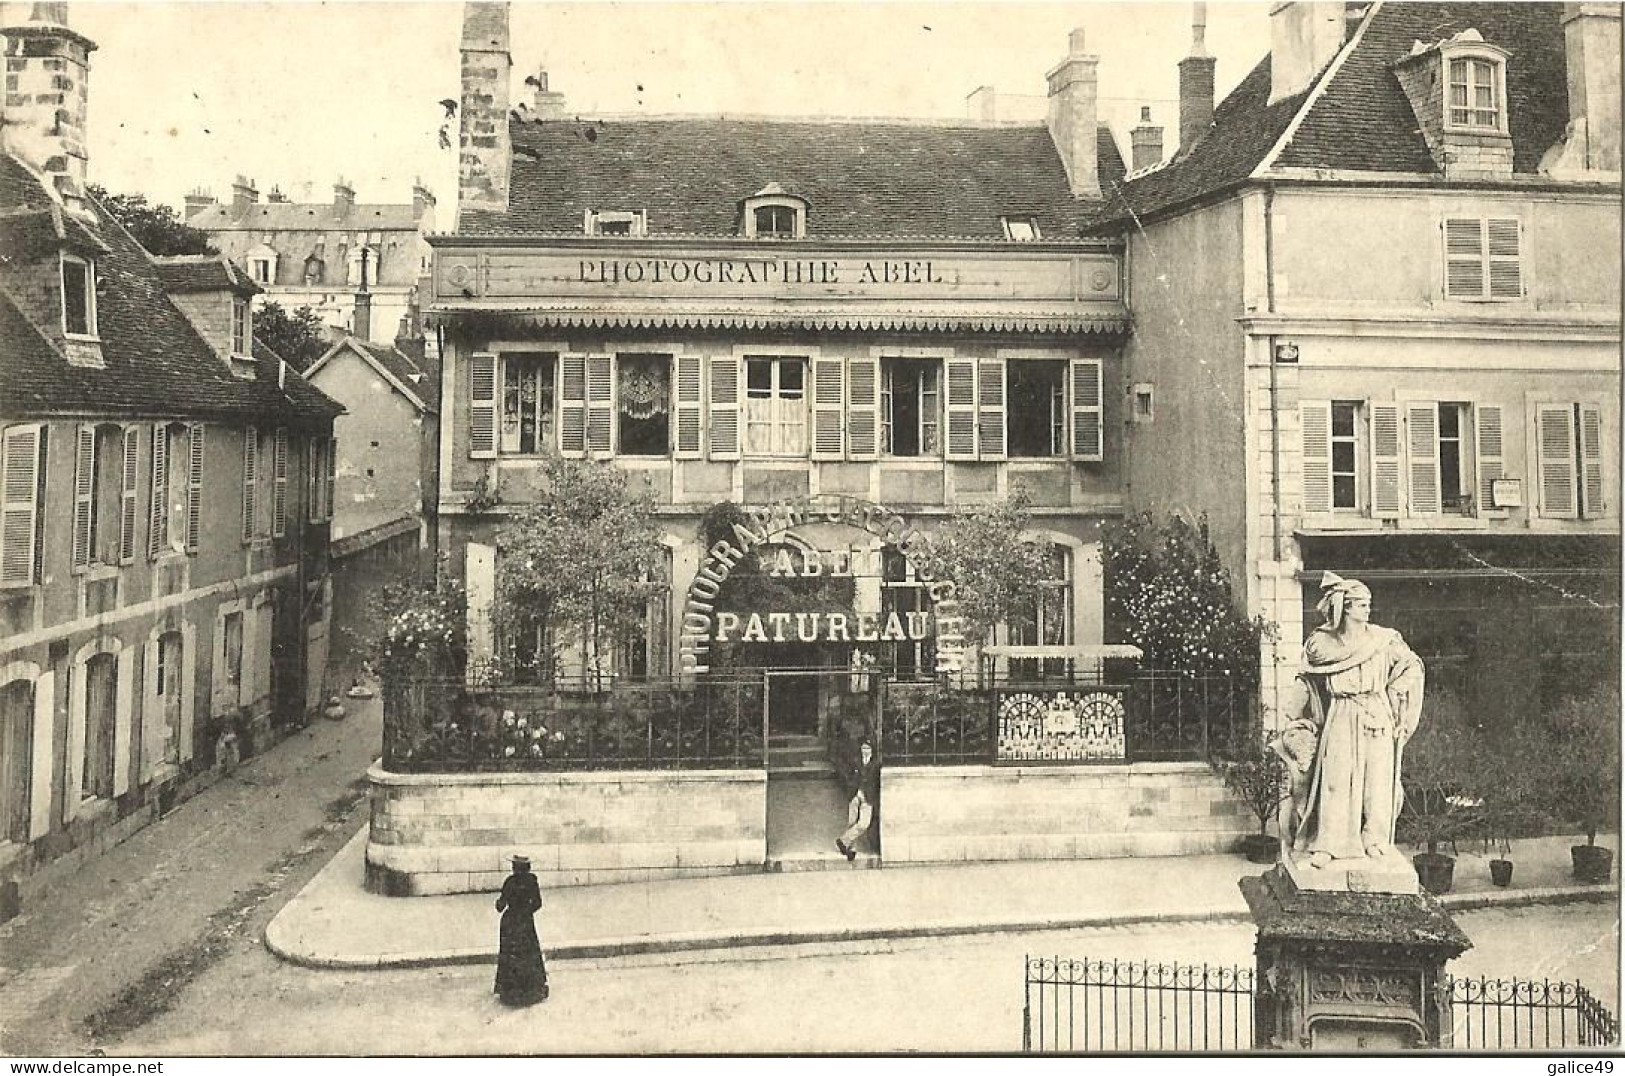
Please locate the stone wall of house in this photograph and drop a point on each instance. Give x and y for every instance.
(453, 833)
(937, 814)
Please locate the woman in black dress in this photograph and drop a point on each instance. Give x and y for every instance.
(521, 974)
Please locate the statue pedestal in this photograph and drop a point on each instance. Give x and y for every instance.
(1341, 968)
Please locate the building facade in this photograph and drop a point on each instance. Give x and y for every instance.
(1376, 298)
(163, 584)
(326, 255)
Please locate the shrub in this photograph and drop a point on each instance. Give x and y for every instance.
(1579, 776)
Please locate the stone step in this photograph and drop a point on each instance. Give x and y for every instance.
(792, 739)
(810, 768)
(808, 751)
(823, 861)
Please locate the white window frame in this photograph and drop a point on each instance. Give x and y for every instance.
(796, 206)
(1493, 232)
(1585, 510)
(1014, 224)
(888, 396)
(780, 408)
(508, 362)
(1493, 58)
(91, 331)
(636, 220)
(1360, 438)
(242, 327)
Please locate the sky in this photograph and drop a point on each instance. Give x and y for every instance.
(296, 94)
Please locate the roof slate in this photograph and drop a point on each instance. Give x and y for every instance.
(307, 217)
(861, 179)
(203, 272)
(154, 361)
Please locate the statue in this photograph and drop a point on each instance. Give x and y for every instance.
(1354, 704)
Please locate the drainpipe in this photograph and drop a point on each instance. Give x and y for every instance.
(1275, 406)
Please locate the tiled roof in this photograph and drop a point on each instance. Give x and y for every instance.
(155, 363)
(390, 359)
(1362, 120)
(881, 179)
(203, 272)
(306, 217)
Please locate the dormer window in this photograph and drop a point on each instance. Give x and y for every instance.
(1021, 229)
(262, 264)
(78, 296)
(1475, 92)
(771, 213)
(241, 328)
(616, 223)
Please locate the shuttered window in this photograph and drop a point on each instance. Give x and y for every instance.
(1483, 258)
(1592, 501)
(1488, 453)
(129, 492)
(84, 498)
(482, 405)
(724, 407)
(22, 456)
(251, 472)
(279, 479)
(1087, 393)
(863, 409)
(1315, 422)
(600, 404)
(990, 401)
(1555, 451)
(690, 402)
(1422, 456)
(573, 405)
(828, 439)
(195, 441)
(961, 409)
(1385, 461)
(158, 502)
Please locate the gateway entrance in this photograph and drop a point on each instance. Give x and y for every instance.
(815, 719)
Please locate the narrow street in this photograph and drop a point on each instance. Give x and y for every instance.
(115, 944)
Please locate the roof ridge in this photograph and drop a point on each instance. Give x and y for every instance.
(767, 117)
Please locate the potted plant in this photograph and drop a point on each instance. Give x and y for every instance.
(1581, 775)
(1435, 774)
(1256, 774)
(1507, 787)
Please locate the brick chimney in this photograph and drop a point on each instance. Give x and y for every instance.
(485, 153)
(362, 324)
(1304, 37)
(982, 104)
(1196, 73)
(276, 197)
(422, 199)
(549, 104)
(1146, 140)
(1073, 122)
(343, 197)
(197, 201)
(47, 98)
(1591, 41)
(243, 195)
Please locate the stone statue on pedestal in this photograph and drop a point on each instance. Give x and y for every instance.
(1355, 703)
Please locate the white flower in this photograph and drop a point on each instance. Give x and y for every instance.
(508, 752)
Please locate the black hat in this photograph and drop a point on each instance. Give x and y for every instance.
(520, 863)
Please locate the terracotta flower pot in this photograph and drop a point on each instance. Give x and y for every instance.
(1593, 864)
(1501, 872)
(1261, 848)
(1435, 871)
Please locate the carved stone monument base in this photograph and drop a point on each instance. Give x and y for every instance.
(1388, 873)
(1341, 969)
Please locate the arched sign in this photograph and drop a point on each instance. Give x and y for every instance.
(701, 619)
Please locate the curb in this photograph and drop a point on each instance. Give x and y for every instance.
(780, 936)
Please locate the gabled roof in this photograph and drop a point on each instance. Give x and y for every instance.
(396, 367)
(1355, 117)
(860, 178)
(204, 272)
(307, 217)
(155, 363)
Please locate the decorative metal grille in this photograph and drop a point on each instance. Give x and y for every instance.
(1091, 1006)
(1528, 1014)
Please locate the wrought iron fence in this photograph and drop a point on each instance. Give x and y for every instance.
(1089, 1006)
(447, 726)
(1166, 716)
(1527, 1014)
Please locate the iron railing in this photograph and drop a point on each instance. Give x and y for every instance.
(1167, 716)
(447, 726)
(1092, 1006)
(1527, 1014)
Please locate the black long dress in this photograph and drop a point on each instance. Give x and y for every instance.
(521, 973)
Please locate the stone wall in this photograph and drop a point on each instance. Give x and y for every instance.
(936, 814)
(452, 833)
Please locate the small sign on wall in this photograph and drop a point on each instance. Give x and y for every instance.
(1506, 493)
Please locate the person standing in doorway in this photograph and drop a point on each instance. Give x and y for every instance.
(860, 810)
(521, 972)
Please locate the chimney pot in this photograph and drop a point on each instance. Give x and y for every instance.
(1073, 116)
(1196, 82)
(1145, 142)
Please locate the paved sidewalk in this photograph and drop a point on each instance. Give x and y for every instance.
(335, 923)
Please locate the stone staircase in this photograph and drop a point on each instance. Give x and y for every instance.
(795, 756)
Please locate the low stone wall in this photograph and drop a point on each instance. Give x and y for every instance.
(452, 833)
(940, 814)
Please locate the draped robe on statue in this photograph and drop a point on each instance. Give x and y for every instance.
(1361, 702)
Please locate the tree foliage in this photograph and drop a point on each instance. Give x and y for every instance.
(995, 566)
(155, 226)
(1168, 594)
(299, 337)
(580, 560)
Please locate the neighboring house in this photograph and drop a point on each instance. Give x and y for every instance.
(1377, 332)
(756, 310)
(326, 255)
(163, 590)
(387, 437)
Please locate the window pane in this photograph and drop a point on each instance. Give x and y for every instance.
(1449, 421)
(1342, 420)
(76, 297)
(759, 377)
(791, 377)
(1343, 491)
(1343, 457)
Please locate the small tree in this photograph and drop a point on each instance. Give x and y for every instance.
(156, 227)
(1258, 776)
(1437, 775)
(579, 560)
(994, 566)
(1580, 775)
(299, 337)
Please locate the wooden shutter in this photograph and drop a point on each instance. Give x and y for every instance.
(482, 406)
(1592, 504)
(1422, 456)
(828, 398)
(1554, 438)
(330, 474)
(1385, 461)
(251, 468)
(1488, 453)
(194, 486)
(572, 405)
(84, 496)
(1464, 258)
(961, 400)
(863, 409)
(1504, 262)
(1086, 397)
(1315, 420)
(129, 489)
(123, 713)
(689, 376)
(990, 409)
(158, 502)
(19, 503)
(40, 769)
(600, 373)
(279, 479)
(724, 414)
(188, 690)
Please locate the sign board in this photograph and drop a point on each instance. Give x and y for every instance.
(1071, 725)
(1506, 493)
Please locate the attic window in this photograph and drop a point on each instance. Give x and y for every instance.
(772, 213)
(1475, 85)
(775, 222)
(78, 296)
(617, 223)
(241, 330)
(1021, 229)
